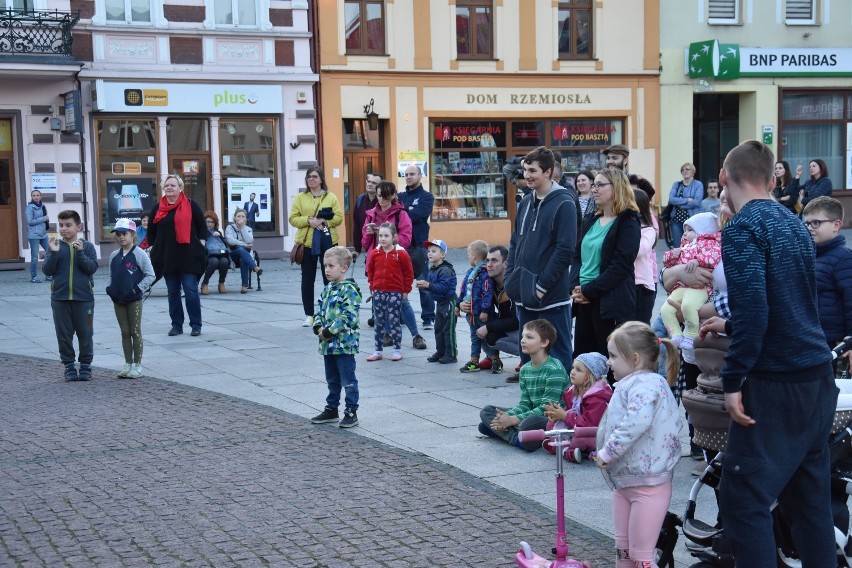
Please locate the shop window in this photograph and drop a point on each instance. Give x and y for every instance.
(724, 12)
(575, 29)
(474, 29)
(128, 11)
(364, 22)
(358, 136)
(127, 170)
(812, 106)
(800, 12)
(247, 149)
(530, 134)
(235, 13)
(188, 135)
(20, 5)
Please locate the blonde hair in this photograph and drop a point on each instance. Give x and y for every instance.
(638, 337)
(342, 254)
(237, 211)
(623, 197)
(689, 165)
(479, 248)
(175, 177)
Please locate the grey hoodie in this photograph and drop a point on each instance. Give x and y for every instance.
(541, 250)
(36, 221)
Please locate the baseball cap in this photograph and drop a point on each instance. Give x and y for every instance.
(124, 225)
(436, 242)
(617, 149)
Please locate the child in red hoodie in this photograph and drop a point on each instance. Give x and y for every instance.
(390, 275)
(586, 400)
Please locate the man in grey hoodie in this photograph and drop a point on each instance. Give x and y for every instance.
(540, 252)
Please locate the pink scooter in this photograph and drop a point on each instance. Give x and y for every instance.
(526, 558)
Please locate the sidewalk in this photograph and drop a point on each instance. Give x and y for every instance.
(253, 348)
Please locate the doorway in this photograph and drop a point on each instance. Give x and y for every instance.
(8, 209)
(195, 171)
(356, 166)
(715, 131)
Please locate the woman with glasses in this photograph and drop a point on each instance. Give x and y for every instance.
(686, 196)
(177, 234)
(316, 214)
(602, 275)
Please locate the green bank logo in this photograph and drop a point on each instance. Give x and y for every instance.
(713, 59)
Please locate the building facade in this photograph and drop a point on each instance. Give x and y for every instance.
(220, 93)
(778, 71)
(460, 86)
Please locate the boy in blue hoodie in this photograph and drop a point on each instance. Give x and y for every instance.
(72, 262)
(476, 289)
(336, 323)
(441, 282)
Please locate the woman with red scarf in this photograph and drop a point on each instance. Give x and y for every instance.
(177, 233)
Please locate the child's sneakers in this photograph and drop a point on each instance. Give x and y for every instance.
(122, 374)
(71, 372)
(350, 419)
(85, 373)
(496, 366)
(470, 367)
(446, 359)
(686, 346)
(376, 356)
(135, 372)
(573, 456)
(328, 414)
(397, 355)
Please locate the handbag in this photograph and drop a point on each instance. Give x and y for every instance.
(679, 215)
(297, 254)
(666, 213)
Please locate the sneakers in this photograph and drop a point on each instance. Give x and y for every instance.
(376, 356)
(309, 321)
(124, 370)
(516, 378)
(135, 372)
(428, 325)
(327, 415)
(447, 360)
(418, 342)
(388, 341)
(496, 366)
(175, 331)
(371, 322)
(71, 372)
(49, 279)
(35, 280)
(434, 357)
(470, 367)
(397, 356)
(350, 419)
(486, 431)
(85, 373)
(573, 456)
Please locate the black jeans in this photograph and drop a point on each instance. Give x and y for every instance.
(309, 278)
(221, 263)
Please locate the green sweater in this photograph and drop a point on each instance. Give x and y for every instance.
(538, 386)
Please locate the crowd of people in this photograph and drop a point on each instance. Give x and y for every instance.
(759, 258)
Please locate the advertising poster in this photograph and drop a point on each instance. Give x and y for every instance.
(128, 197)
(239, 192)
(849, 154)
(412, 158)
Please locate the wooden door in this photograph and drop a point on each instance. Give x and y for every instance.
(8, 209)
(356, 166)
(195, 172)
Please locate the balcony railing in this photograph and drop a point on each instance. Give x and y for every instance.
(40, 33)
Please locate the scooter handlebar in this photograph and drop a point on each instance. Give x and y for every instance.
(540, 435)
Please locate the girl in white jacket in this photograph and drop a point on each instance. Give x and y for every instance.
(638, 441)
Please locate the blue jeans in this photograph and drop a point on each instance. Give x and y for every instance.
(189, 282)
(340, 373)
(560, 317)
(34, 243)
(477, 346)
(783, 456)
(408, 318)
(420, 263)
(677, 233)
(246, 261)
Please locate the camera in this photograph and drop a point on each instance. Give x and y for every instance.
(513, 168)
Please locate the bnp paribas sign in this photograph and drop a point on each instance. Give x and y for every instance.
(730, 61)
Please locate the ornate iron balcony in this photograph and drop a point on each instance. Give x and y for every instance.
(41, 33)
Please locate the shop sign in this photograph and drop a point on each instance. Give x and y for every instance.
(730, 61)
(466, 132)
(408, 158)
(561, 99)
(126, 168)
(584, 133)
(45, 183)
(191, 97)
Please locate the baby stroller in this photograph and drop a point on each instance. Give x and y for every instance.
(705, 405)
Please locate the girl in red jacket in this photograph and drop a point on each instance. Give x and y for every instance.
(586, 400)
(390, 274)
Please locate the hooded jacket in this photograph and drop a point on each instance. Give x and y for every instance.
(542, 246)
(36, 221)
(129, 275)
(638, 435)
(396, 215)
(389, 271)
(339, 313)
(72, 272)
(592, 405)
(442, 281)
(833, 272)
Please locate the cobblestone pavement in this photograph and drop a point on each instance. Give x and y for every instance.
(147, 472)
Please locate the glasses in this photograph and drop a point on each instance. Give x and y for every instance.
(312, 176)
(600, 185)
(816, 223)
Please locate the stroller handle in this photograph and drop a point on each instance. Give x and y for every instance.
(842, 348)
(540, 435)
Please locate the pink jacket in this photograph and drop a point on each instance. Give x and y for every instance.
(706, 249)
(590, 408)
(397, 216)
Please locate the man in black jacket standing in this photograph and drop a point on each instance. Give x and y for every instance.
(418, 204)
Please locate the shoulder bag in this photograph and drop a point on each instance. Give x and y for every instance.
(297, 253)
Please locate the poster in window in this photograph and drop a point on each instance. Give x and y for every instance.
(240, 191)
(129, 198)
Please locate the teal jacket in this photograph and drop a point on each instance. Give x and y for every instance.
(339, 313)
(72, 272)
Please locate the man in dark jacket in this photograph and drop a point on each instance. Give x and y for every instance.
(540, 252)
(418, 204)
(364, 203)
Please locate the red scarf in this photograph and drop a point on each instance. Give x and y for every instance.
(183, 216)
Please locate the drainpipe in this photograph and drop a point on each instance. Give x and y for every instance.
(83, 182)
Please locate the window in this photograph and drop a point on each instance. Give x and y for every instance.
(575, 29)
(247, 148)
(235, 12)
(724, 12)
(365, 27)
(19, 5)
(129, 11)
(474, 29)
(801, 12)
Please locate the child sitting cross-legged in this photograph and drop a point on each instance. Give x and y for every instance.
(586, 401)
(542, 382)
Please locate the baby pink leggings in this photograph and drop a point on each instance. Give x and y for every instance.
(638, 513)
